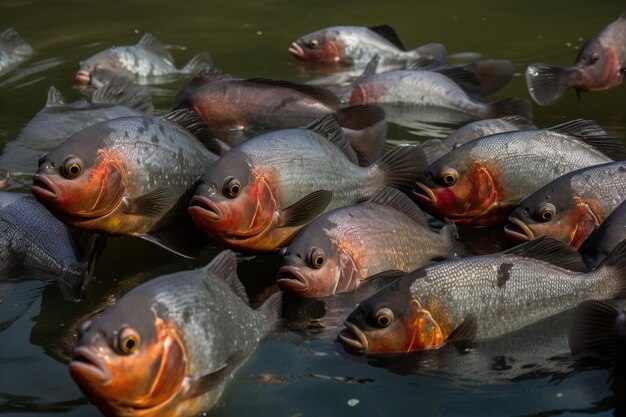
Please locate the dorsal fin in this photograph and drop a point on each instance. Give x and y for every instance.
(224, 265)
(11, 40)
(388, 33)
(464, 79)
(426, 64)
(122, 91)
(370, 68)
(552, 251)
(150, 43)
(321, 94)
(593, 135)
(519, 121)
(191, 122)
(328, 127)
(392, 197)
(55, 98)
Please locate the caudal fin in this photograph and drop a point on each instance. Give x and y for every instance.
(434, 51)
(510, 106)
(272, 310)
(492, 74)
(593, 330)
(197, 63)
(365, 127)
(402, 165)
(546, 83)
(615, 265)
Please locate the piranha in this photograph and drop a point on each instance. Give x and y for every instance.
(482, 182)
(13, 50)
(572, 206)
(354, 45)
(144, 62)
(207, 75)
(603, 240)
(480, 297)
(31, 238)
(344, 247)
(600, 65)
(258, 195)
(59, 119)
(130, 176)
(170, 346)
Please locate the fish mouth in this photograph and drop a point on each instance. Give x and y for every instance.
(290, 279)
(424, 194)
(296, 50)
(202, 206)
(82, 77)
(353, 338)
(44, 188)
(518, 230)
(86, 364)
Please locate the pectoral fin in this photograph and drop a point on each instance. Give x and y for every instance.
(305, 210)
(202, 384)
(152, 204)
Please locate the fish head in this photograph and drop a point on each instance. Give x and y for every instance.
(107, 60)
(80, 179)
(231, 202)
(392, 321)
(598, 66)
(325, 46)
(457, 187)
(130, 361)
(314, 265)
(555, 212)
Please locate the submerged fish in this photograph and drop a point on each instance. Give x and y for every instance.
(32, 238)
(603, 240)
(258, 195)
(206, 76)
(346, 246)
(600, 65)
(482, 182)
(58, 120)
(142, 62)
(480, 297)
(452, 89)
(130, 176)
(572, 206)
(13, 50)
(348, 45)
(169, 346)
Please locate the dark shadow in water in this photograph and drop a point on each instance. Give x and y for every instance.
(25, 404)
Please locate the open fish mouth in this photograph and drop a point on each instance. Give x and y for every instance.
(82, 77)
(290, 279)
(296, 50)
(86, 364)
(44, 188)
(518, 230)
(424, 194)
(353, 338)
(202, 206)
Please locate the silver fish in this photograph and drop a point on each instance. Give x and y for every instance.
(13, 50)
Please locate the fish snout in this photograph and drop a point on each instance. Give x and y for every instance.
(353, 338)
(291, 279)
(204, 207)
(296, 50)
(517, 230)
(424, 194)
(44, 188)
(82, 77)
(87, 366)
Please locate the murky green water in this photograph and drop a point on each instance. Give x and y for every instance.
(301, 370)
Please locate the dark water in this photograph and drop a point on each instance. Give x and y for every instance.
(301, 370)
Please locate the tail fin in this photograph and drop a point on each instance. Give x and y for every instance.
(365, 127)
(197, 63)
(593, 330)
(11, 40)
(435, 51)
(402, 165)
(272, 310)
(616, 264)
(456, 248)
(492, 74)
(510, 106)
(545, 83)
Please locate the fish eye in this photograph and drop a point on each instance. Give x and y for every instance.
(72, 167)
(128, 341)
(546, 213)
(449, 176)
(316, 258)
(232, 187)
(313, 43)
(383, 317)
(595, 57)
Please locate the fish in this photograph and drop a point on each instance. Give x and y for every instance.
(31, 238)
(482, 182)
(207, 75)
(13, 50)
(258, 195)
(604, 239)
(452, 89)
(600, 65)
(130, 176)
(170, 346)
(570, 207)
(474, 130)
(344, 247)
(144, 62)
(353, 45)
(59, 119)
(480, 297)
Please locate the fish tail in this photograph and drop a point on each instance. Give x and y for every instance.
(546, 83)
(365, 126)
(434, 51)
(592, 332)
(456, 249)
(615, 266)
(510, 106)
(402, 166)
(272, 310)
(198, 63)
(492, 74)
